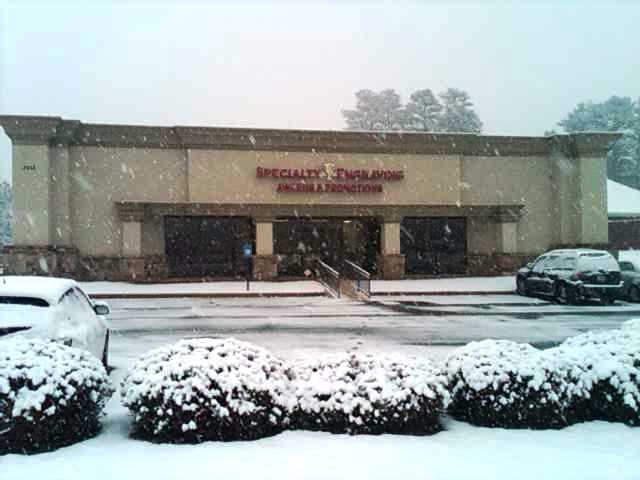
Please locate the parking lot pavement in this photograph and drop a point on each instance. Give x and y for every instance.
(295, 327)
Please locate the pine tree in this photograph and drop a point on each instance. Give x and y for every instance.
(616, 114)
(423, 111)
(5, 214)
(458, 114)
(376, 111)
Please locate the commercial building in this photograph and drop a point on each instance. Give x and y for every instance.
(143, 202)
(624, 216)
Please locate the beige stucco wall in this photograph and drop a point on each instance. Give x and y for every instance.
(60, 197)
(100, 177)
(593, 200)
(70, 196)
(31, 195)
(230, 177)
(512, 180)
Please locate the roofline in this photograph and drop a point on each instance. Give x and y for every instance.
(56, 131)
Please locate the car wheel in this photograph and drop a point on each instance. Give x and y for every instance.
(105, 351)
(634, 294)
(521, 287)
(565, 294)
(608, 299)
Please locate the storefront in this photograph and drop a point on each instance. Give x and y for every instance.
(123, 201)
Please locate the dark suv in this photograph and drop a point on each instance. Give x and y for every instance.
(571, 276)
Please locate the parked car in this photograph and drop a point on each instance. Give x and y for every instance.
(54, 308)
(571, 276)
(630, 271)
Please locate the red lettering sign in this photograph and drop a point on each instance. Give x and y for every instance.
(357, 180)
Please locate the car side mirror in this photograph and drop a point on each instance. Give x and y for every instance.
(101, 308)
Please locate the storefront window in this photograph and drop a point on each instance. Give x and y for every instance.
(434, 245)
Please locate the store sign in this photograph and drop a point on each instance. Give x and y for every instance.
(330, 179)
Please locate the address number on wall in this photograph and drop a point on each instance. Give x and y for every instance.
(30, 166)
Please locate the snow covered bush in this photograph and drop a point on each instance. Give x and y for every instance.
(206, 389)
(601, 372)
(366, 394)
(499, 383)
(50, 395)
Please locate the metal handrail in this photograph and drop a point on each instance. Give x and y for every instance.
(366, 275)
(358, 278)
(329, 277)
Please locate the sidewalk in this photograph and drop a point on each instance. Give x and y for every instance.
(446, 286)
(304, 288)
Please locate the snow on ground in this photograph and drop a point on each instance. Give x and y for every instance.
(492, 299)
(298, 327)
(471, 284)
(593, 450)
(239, 287)
(466, 284)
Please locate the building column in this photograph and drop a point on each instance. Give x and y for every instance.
(391, 261)
(265, 263)
(132, 263)
(132, 239)
(508, 237)
(507, 257)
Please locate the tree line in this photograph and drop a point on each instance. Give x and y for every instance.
(450, 111)
(616, 114)
(6, 215)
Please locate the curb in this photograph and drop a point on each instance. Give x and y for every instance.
(441, 292)
(101, 296)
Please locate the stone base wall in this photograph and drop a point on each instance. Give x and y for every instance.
(46, 260)
(67, 262)
(392, 266)
(265, 267)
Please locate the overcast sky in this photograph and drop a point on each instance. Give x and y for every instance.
(296, 64)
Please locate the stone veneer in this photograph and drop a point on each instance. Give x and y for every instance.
(392, 266)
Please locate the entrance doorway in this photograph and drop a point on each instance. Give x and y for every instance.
(202, 246)
(301, 241)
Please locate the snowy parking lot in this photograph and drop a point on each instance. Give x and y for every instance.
(295, 327)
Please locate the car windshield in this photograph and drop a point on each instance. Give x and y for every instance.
(595, 262)
(31, 301)
(564, 263)
(626, 266)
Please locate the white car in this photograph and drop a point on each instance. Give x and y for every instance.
(54, 308)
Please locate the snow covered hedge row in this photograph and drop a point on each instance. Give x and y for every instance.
(50, 395)
(356, 394)
(206, 389)
(602, 375)
(594, 376)
(499, 383)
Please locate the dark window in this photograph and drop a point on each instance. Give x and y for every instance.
(207, 246)
(626, 267)
(299, 242)
(434, 245)
(34, 302)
